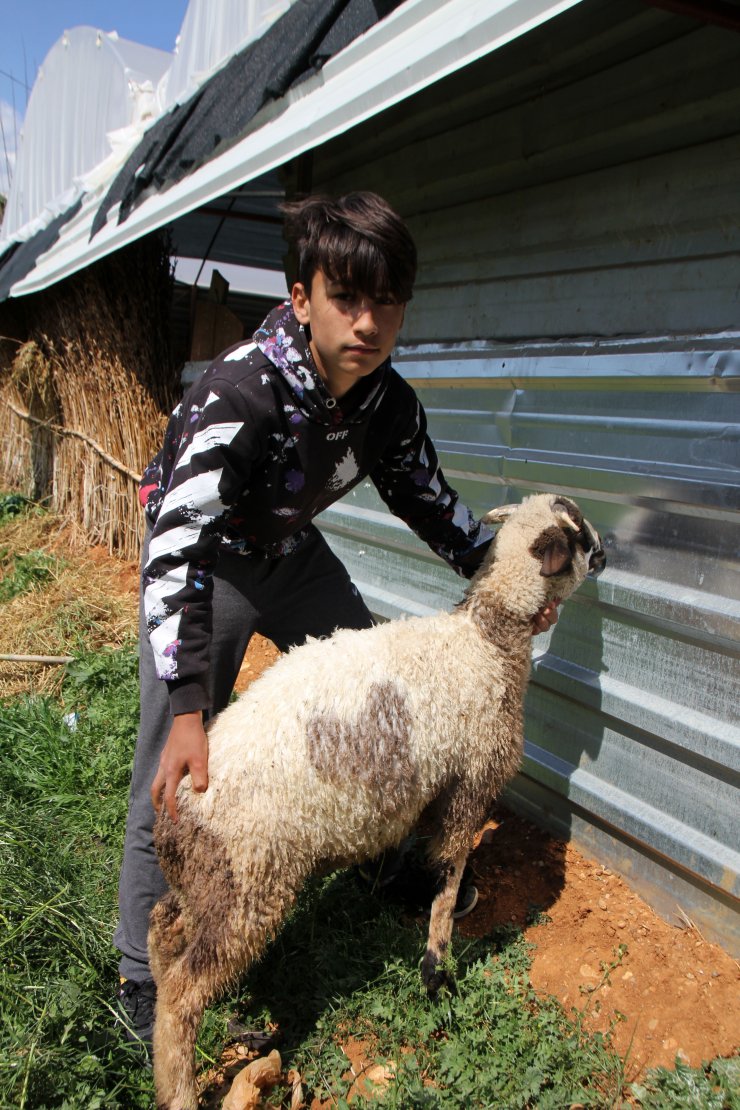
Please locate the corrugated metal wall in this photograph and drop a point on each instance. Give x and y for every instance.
(576, 202)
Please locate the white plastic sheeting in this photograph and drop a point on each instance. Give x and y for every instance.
(419, 43)
(96, 93)
(211, 33)
(92, 99)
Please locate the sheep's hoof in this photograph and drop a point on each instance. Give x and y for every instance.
(434, 976)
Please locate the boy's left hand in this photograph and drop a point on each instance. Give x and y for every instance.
(546, 618)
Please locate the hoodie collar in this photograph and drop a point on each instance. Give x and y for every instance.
(283, 341)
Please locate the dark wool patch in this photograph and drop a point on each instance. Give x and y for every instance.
(196, 861)
(167, 929)
(554, 549)
(371, 749)
(543, 541)
(498, 624)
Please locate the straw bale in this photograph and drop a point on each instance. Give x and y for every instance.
(89, 596)
(98, 372)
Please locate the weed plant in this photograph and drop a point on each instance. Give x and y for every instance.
(715, 1086)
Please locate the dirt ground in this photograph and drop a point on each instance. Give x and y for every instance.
(678, 993)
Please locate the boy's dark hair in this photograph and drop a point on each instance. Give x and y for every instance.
(357, 240)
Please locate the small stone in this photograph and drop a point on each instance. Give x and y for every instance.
(653, 1023)
(628, 975)
(715, 975)
(602, 903)
(587, 972)
(690, 975)
(621, 924)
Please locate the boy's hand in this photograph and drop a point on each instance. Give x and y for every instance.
(186, 751)
(546, 618)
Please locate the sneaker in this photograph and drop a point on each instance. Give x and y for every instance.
(467, 900)
(136, 1006)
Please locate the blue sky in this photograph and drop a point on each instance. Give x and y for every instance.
(29, 28)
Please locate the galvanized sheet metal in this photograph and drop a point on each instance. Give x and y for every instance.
(575, 201)
(632, 726)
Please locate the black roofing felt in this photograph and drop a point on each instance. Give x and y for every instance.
(217, 115)
(20, 258)
(291, 50)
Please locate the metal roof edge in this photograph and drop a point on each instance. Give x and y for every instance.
(388, 63)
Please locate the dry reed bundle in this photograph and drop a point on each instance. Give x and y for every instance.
(27, 445)
(98, 366)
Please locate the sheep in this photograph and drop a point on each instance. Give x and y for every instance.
(336, 753)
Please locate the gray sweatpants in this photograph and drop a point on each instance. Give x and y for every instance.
(308, 593)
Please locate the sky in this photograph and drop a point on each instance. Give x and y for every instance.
(29, 28)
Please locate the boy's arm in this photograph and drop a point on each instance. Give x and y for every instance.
(212, 467)
(410, 481)
(186, 752)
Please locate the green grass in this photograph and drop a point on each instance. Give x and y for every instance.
(344, 965)
(62, 807)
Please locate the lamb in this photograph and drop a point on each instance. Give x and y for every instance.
(336, 753)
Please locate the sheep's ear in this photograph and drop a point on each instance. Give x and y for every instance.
(553, 549)
(498, 516)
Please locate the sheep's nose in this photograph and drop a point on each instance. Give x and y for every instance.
(596, 562)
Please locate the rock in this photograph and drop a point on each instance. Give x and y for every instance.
(587, 972)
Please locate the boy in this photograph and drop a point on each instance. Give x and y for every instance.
(275, 431)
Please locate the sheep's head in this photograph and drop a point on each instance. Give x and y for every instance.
(551, 530)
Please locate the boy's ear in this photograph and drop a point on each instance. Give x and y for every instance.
(301, 303)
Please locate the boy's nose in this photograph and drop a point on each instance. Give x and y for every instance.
(365, 319)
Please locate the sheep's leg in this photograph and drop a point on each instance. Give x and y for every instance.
(212, 958)
(226, 941)
(440, 928)
(168, 935)
(181, 1002)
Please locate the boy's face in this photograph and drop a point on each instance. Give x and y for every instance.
(351, 333)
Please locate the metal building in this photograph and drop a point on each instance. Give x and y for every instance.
(576, 200)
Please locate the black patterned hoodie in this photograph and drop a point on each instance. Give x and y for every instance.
(254, 451)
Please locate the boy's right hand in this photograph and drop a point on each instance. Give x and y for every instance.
(186, 752)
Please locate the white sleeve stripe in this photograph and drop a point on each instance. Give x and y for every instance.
(166, 633)
(198, 496)
(216, 435)
(173, 541)
(160, 588)
(240, 352)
